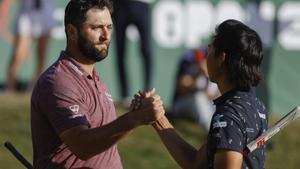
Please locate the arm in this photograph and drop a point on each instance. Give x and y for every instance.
(86, 142)
(4, 16)
(4, 9)
(183, 153)
(225, 159)
(227, 140)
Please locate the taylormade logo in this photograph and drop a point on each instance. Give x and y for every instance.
(75, 110)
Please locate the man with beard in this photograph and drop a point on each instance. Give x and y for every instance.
(73, 118)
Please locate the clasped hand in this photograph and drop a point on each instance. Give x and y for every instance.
(147, 106)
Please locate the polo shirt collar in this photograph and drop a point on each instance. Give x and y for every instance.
(232, 93)
(75, 65)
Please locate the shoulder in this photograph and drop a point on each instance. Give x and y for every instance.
(233, 110)
(231, 106)
(57, 78)
(241, 102)
(57, 74)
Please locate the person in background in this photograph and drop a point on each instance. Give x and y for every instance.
(233, 62)
(73, 117)
(4, 20)
(194, 92)
(137, 13)
(34, 21)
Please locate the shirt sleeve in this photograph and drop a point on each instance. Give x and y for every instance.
(227, 132)
(62, 105)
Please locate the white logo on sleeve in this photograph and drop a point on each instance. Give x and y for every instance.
(109, 97)
(263, 116)
(75, 110)
(218, 123)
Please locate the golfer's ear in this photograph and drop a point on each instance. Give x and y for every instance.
(221, 58)
(71, 32)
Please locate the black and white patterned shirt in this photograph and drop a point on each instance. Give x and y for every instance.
(240, 117)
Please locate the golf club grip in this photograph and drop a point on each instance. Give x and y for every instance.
(13, 150)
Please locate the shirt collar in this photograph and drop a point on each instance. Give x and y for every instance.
(232, 93)
(75, 65)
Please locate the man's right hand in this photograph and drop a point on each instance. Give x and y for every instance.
(147, 107)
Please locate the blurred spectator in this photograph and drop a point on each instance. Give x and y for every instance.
(194, 92)
(4, 19)
(34, 21)
(137, 13)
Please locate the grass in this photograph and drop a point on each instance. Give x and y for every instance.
(142, 149)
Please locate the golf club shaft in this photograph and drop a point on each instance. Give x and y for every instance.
(16, 153)
(280, 124)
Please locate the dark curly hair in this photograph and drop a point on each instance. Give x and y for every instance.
(75, 12)
(244, 52)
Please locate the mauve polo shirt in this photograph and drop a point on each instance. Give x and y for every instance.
(65, 96)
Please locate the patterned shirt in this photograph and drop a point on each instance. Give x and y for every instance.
(64, 97)
(240, 117)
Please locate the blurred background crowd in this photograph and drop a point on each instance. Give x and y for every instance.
(151, 39)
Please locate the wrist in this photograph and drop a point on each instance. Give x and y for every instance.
(162, 123)
(132, 119)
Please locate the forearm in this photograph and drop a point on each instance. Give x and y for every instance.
(99, 139)
(5, 6)
(183, 153)
(86, 143)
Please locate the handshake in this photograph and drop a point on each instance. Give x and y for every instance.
(146, 108)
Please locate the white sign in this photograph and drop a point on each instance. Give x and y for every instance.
(187, 23)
